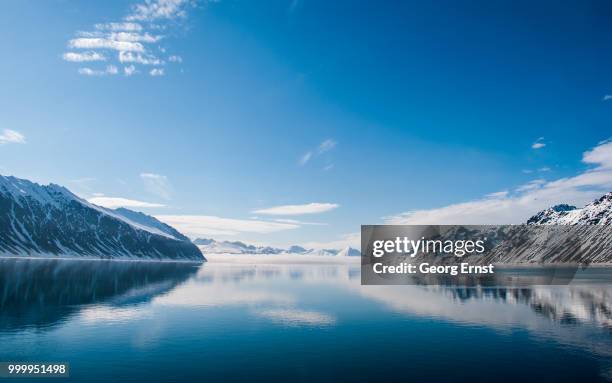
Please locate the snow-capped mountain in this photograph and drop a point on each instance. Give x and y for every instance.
(562, 234)
(322, 252)
(211, 246)
(349, 252)
(38, 220)
(598, 212)
(233, 247)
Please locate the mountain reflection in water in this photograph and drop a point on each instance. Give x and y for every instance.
(138, 314)
(41, 292)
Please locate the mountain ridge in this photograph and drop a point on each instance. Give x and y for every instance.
(213, 246)
(50, 221)
(598, 212)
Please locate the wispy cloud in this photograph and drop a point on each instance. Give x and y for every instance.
(157, 184)
(153, 10)
(131, 41)
(326, 146)
(157, 72)
(541, 170)
(129, 70)
(607, 97)
(115, 202)
(110, 70)
(323, 147)
(525, 200)
(9, 136)
(538, 144)
(297, 222)
(202, 225)
(305, 158)
(309, 208)
(84, 56)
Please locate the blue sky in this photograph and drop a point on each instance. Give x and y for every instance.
(353, 112)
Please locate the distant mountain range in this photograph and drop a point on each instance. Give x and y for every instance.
(211, 246)
(37, 220)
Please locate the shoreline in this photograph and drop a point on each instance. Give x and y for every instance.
(88, 258)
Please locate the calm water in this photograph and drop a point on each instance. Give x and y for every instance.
(223, 322)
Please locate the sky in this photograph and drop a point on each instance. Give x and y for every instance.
(296, 121)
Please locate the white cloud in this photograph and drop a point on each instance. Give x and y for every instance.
(531, 185)
(305, 158)
(152, 10)
(526, 200)
(129, 57)
(323, 147)
(600, 155)
(130, 27)
(9, 136)
(157, 72)
(297, 222)
(110, 69)
(309, 208)
(103, 43)
(84, 56)
(115, 202)
(157, 184)
(90, 72)
(538, 144)
(327, 145)
(134, 38)
(499, 194)
(202, 225)
(129, 70)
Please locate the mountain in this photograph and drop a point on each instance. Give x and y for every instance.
(235, 247)
(322, 252)
(296, 249)
(598, 212)
(38, 220)
(349, 252)
(150, 222)
(212, 246)
(560, 234)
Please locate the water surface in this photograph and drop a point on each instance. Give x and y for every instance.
(257, 320)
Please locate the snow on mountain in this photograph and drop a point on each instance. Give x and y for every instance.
(349, 252)
(560, 234)
(150, 223)
(236, 247)
(295, 249)
(38, 220)
(322, 252)
(598, 212)
(212, 246)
